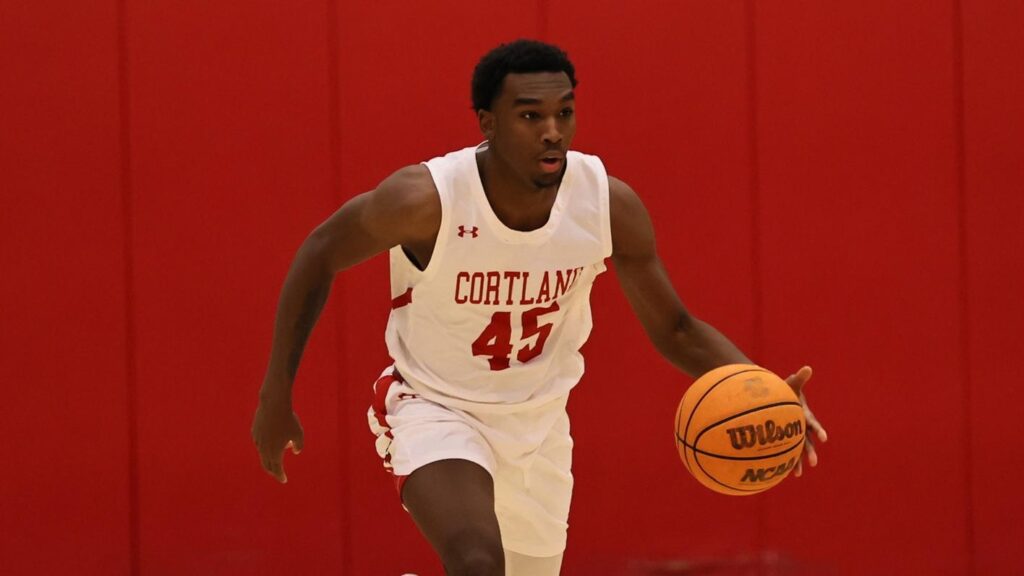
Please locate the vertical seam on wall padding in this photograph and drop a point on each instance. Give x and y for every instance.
(755, 179)
(340, 341)
(750, 14)
(131, 380)
(964, 320)
(542, 20)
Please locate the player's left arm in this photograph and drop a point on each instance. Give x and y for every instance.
(692, 345)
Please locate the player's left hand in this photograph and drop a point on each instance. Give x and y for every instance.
(797, 382)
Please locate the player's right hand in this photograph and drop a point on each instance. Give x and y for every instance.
(274, 428)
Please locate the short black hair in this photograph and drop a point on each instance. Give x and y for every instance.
(518, 57)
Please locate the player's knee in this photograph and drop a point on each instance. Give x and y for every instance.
(475, 559)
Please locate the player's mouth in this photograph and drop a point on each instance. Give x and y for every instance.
(551, 163)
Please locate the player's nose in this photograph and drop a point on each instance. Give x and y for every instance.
(551, 135)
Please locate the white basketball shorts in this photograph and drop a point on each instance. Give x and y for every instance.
(529, 456)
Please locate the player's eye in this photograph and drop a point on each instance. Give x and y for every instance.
(567, 112)
(530, 115)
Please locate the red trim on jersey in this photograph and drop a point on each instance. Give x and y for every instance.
(402, 300)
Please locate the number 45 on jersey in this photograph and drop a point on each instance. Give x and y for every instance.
(495, 342)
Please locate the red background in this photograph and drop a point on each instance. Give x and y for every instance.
(833, 183)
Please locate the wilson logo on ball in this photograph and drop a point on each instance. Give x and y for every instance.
(762, 434)
(766, 474)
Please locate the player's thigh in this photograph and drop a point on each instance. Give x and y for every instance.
(533, 493)
(452, 503)
(521, 565)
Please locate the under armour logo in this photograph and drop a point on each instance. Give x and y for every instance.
(474, 231)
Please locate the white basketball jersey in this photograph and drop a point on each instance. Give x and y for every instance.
(496, 320)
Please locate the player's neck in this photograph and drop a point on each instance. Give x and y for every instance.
(519, 204)
(500, 181)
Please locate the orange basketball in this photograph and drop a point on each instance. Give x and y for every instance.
(740, 429)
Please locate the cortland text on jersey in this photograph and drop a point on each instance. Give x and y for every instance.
(513, 287)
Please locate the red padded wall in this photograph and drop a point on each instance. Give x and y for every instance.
(832, 183)
(857, 149)
(64, 493)
(994, 182)
(232, 168)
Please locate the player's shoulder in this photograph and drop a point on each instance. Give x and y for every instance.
(618, 186)
(406, 200)
(409, 188)
(411, 179)
(621, 196)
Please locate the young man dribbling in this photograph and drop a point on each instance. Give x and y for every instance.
(493, 252)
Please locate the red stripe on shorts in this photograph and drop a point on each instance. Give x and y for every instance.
(380, 395)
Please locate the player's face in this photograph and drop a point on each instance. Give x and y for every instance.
(531, 124)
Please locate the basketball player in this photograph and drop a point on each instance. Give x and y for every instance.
(493, 252)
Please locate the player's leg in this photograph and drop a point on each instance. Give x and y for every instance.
(517, 564)
(441, 465)
(452, 503)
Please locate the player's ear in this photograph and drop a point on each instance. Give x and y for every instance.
(486, 120)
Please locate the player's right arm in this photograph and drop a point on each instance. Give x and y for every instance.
(403, 210)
